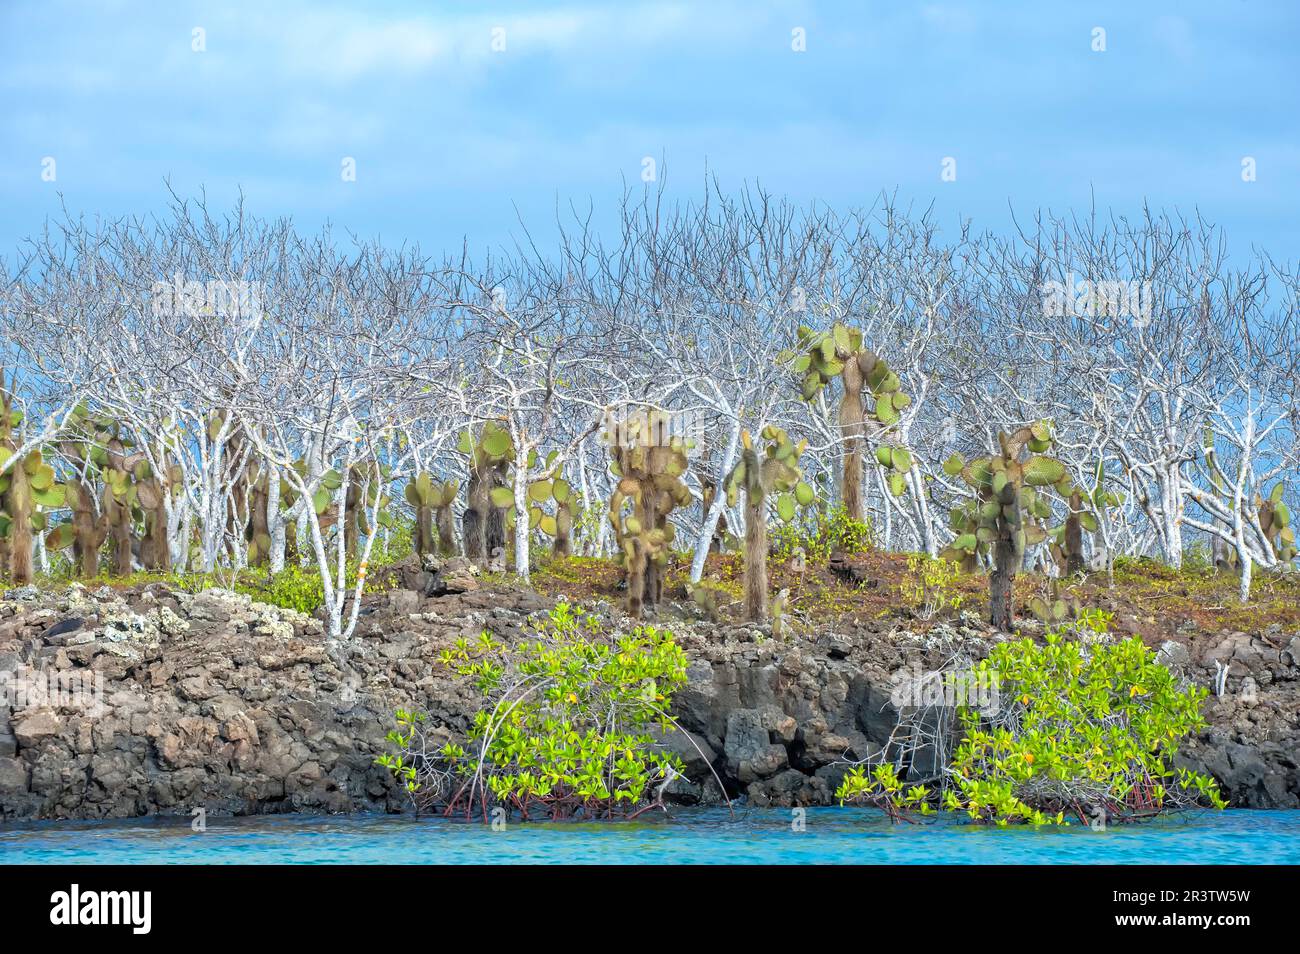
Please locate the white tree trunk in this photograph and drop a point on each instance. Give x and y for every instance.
(705, 537)
(521, 514)
(275, 520)
(1171, 506)
(922, 506)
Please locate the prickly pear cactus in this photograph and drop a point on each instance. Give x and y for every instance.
(86, 532)
(154, 491)
(432, 500)
(1224, 554)
(772, 476)
(557, 491)
(1009, 510)
(322, 499)
(28, 483)
(484, 522)
(1052, 608)
(258, 534)
(838, 353)
(649, 467)
(365, 497)
(1275, 521)
(119, 498)
(1085, 509)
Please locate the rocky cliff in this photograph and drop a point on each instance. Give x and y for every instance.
(214, 701)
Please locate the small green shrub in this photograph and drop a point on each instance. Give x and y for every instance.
(295, 588)
(821, 533)
(566, 729)
(1077, 731)
(1198, 558)
(928, 586)
(397, 546)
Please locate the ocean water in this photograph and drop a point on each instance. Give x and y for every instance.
(687, 836)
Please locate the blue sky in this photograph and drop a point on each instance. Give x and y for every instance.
(453, 139)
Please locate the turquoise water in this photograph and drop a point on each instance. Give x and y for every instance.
(688, 836)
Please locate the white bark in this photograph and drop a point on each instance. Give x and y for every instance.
(704, 539)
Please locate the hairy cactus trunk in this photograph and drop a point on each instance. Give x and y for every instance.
(152, 494)
(755, 556)
(637, 566)
(292, 555)
(351, 526)
(1008, 558)
(119, 528)
(1220, 550)
(474, 522)
(1073, 536)
(88, 531)
(774, 474)
(563, 528)
(423, 541)
(496, 518)
(155, 553)
(652, 575)
(484, 525)
(709, 492)
(1005, 568)
(21, 568)
(118, 491)
(852, 416)
(445, 523)
(259, 524)
(650, 477)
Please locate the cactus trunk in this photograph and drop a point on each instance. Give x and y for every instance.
(852, 416)
(484, 525)
(423, 535)
(495, 527)
(650, 473)
(1008, 554)
(474, 522)
(445, 524)
(155, 553)
(119, 528)
(708, 493)
(351, 508)
(259, 525)
(1007, 561)
(563, 528)
(88, 531)
(755, 556)
(21, 569)
(637, 564)
(776, 473)
(1073, 536)
(652, 577)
